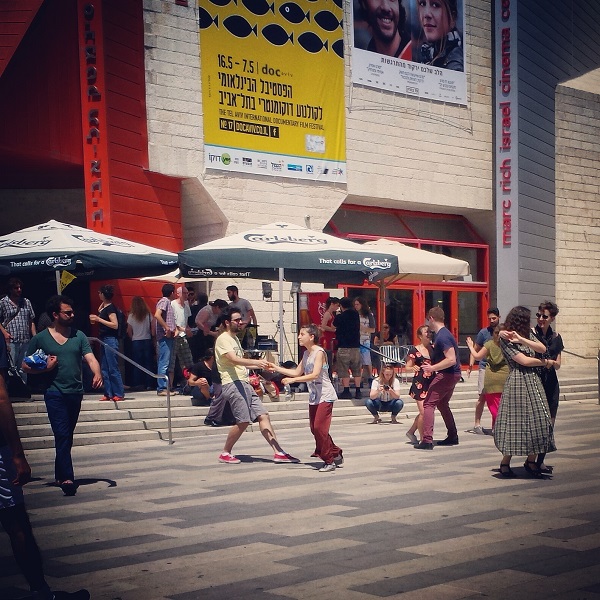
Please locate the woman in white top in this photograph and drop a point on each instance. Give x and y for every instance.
(139, 329)
(321, 395)
(385, 395)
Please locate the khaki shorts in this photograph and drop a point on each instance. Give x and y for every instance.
(245, 405)
(348, 359)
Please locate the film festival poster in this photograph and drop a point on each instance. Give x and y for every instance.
(273, 87)
(413, 47)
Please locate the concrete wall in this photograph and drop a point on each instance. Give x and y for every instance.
(578, 214)
(401, 152)
(556, 41)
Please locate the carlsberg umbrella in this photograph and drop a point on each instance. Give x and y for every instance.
(55, 246)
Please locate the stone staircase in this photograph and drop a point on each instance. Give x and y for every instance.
(143, 415)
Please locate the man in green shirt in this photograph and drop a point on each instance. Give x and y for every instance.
(65, 347)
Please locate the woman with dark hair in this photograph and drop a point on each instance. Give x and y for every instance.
(139, 329)
(523, 426)
(367, 327)
(108, 324)
(439, 43)
(313, 370)
(418, 356)
(546, 315)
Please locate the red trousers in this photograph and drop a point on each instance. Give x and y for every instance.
(493, 403)
(438, 396)
(320, 421)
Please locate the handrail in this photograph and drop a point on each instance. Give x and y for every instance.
(155, 375)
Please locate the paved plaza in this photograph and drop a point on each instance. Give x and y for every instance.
(152, 521)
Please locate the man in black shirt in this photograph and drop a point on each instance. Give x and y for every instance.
(347, 333)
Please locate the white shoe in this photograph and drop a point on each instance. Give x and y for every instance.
(478, 429)
(412, 437)
(328, 468)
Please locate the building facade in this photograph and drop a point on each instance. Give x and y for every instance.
(110, 130)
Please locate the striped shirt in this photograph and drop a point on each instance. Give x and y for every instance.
(18, 326)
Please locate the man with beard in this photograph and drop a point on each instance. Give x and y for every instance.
(65, 347)
(387, 20)
(246, 406)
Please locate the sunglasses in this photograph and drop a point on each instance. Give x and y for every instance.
(541, 316)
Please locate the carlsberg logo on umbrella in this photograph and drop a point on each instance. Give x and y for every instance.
(263, 238)
(374, 264)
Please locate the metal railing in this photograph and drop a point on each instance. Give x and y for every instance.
(154, 375)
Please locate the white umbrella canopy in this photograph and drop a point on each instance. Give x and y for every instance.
(419, 265)
(416, 265)
(55, 246)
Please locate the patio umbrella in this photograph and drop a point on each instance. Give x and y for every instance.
(55, 246)
(416, 265)
(281, 250)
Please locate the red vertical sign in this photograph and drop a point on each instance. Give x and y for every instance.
(93, 113)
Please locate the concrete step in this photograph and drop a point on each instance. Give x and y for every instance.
(143, 415)
(111, 437)
(84, 428)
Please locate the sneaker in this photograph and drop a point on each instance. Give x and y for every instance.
(424, 446)
(448, 442)
(478, 429)
(328, 468)
(284, 457)
(345, 395)
(105, 399)
(117, 398)
(228, 459)
(212, 423)
(357, 394)
(412, 437)
(338, 460)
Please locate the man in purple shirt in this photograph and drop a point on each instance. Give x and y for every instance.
(165, 334)
(446, 365)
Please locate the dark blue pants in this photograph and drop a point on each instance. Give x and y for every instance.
(63, 412)
(142, 352)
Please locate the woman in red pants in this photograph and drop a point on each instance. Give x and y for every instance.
(321, 395)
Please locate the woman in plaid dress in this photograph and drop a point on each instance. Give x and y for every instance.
(523, 426)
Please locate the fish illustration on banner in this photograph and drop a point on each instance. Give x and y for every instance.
(277, 35)
(259, 7)
(275, 113)
(293, 13)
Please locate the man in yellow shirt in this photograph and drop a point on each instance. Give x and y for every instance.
(246, 406)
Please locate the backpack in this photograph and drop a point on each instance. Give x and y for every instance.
(122, 321)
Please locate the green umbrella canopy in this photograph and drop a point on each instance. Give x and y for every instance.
(55, 246)
(304, 254)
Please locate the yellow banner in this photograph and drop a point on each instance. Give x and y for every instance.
(273, 87)
(65, 279)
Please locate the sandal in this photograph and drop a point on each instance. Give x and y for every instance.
(534, 472)
(375, 421)
(506, 471)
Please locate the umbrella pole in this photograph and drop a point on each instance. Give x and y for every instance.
(57, 277)
(281, 332)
